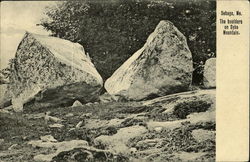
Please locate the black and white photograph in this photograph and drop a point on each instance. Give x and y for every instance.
(108, 80)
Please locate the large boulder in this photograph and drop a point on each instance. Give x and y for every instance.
(52, 71)
(162, 66)
(209, 79)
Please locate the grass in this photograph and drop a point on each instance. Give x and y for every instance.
(21, 128)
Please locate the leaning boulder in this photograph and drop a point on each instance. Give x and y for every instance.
(52, 71)
(162, 66)
(209, 79)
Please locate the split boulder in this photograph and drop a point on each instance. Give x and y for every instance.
(52, 71)
(162, 66)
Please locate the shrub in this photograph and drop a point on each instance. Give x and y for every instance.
(112, 30)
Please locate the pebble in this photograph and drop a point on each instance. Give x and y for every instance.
(48, 138)
(71, 129)
(79, 124)
(56, 126)
(133, 149)
(12, 146)
(158, 129)
(69, 115)
(88, 104)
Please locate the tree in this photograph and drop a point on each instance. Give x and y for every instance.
(112, 30)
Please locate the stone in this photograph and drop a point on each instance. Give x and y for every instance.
(79, 124)
(158, 129)
(69, 115)
(199, 98)
(48, 138)
(189, 156)
(209, 79)
(76, 104)
(166, 125)
(74, 150)
(89, 104)
(12, 147)
(105, 98)
(6, 110)
(49, 118)
(56, 125)
(147, 143)
(118, 142)
(52, 72)
(201, 135)
(59, 146)
(162, 66)
(133, 150)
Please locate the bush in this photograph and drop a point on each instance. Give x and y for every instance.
(112, 30)
(183, 109)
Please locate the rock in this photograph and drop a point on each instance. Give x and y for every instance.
(202, 135)
(78, 125)
(189, 156)
(133, 150)
(202, 117)
(83, 153)
(49, 72)
(49, 118)
(147, 143)
(24, 138)
(158, 129)
(209, 79)
(69, 115)
(72, 129)
(12, 147)
(97, 123)
(56, 125)
(183, 104)
(167, 125)
(76, 104)
(6, 110)
(89, 104)
(35, 116)
(105, 98)
(118, 142)
(162, 66)
(48, 138)
(59, 146)
(75, 150)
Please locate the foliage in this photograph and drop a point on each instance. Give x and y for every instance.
(183, 109)
(112, 30)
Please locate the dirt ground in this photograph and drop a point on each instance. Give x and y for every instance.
(108, 126)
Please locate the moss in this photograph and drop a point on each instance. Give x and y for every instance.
(182, 110)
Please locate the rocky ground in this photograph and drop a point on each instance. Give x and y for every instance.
(179, 127)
